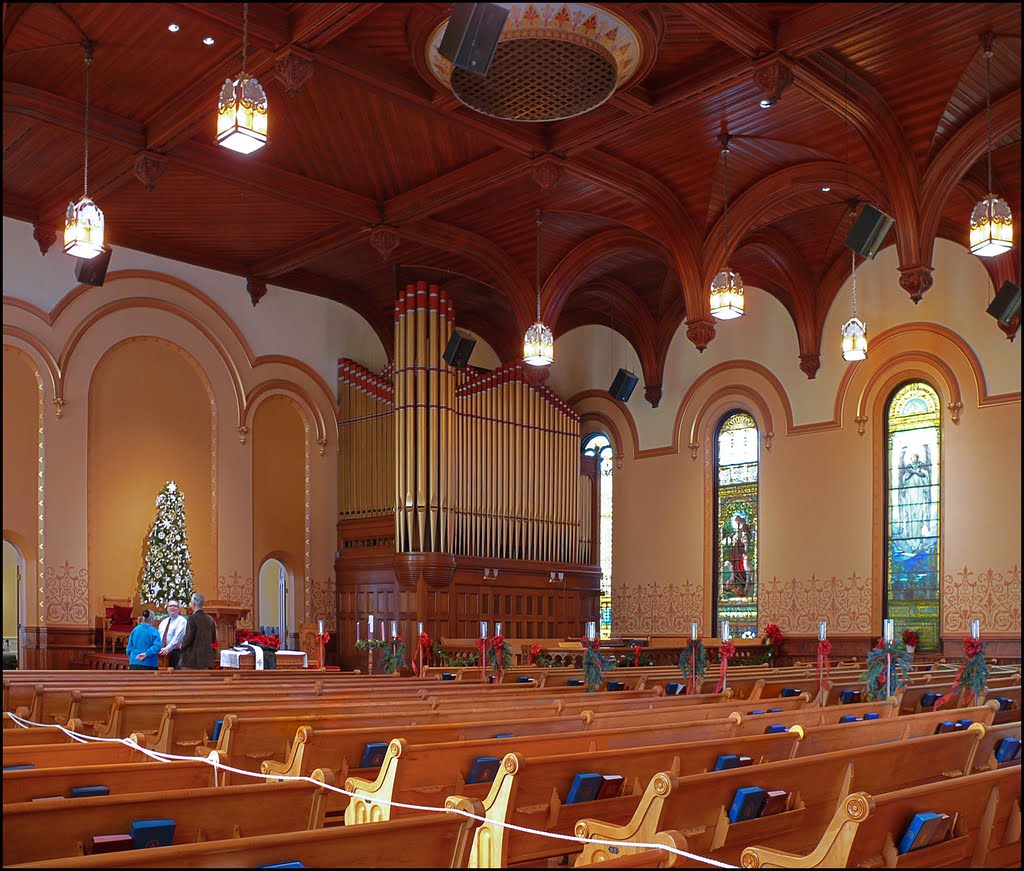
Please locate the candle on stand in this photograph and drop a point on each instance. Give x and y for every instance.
(319, 627)
(369, 627)
(693, 630)
(497, 628)
(394, 628)
(725, 631)
(591, 630)
(975, 629)
(483, 628)
(419, 628)
(359, 631)
(822, 631)
(889, 630)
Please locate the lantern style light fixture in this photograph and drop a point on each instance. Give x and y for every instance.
(539, 344)
(855, 331)
(242, 107)
(991, 220)
(83, 224)
(727, 286)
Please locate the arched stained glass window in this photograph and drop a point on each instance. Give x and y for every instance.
(735, 571)
(912, 565)
(598, 445)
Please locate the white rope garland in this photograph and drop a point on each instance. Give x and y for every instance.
(214, 761)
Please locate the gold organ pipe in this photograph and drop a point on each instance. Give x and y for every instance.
(433, 445)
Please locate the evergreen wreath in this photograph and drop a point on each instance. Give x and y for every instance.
(699, 654)
(972, 676)
(594, 664)
(875, 678)
(394, 655)
(506, 656)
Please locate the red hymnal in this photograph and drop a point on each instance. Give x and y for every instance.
(775, 802)
(111, 843)
(612, 786)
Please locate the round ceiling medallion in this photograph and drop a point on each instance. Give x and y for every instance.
(551, 63)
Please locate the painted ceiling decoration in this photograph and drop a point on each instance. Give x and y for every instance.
(377, 172)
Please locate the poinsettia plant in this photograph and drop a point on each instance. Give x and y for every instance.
(247, 636)
(911, 638)
(773, 636)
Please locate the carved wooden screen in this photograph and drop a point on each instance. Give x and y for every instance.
(912, 562)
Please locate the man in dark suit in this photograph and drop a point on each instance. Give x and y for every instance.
(200, 633)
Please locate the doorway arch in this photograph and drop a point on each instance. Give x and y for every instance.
(14, 598)
(274, 602)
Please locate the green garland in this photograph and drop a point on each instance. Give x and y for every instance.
(899, 674)
(506, 657)
(974, 678)
(394, 656)
(372, 644)
(700, 660)
(595, 665)
(453, 660)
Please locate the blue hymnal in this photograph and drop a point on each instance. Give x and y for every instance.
(774, 728)
(585, 787)
(506, 735)
(872, 715)
(616, 686)
(283, 865)
(447, 675)
(848, 697)
(151, 833)
(775, 710)
(789, 692)
(914, 832)
(725, 762)
(1007, 749)
(88, 791)
(961, 725)
(524, 679)
(1005, 703)
(849, 718)
(373, 754)
(928, 700)
(24, 767)
(484, 769)
(746, 804)
(216, 730)
(574, 682)
(756, 712)
(672, 689)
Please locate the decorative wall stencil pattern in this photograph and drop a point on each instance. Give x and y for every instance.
(324, 601)
(67, 594)
(235, 588)
(656, 607)
(989, 596)
(797, 605)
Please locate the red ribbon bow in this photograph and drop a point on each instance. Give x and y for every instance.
(972, 648)
(534, 653)
(324, 638)
(725, 651)
(636, 655)
(424, 641)
(824, 683)
(481, 646)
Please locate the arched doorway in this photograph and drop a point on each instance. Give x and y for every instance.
(276, 613)
(14, 599)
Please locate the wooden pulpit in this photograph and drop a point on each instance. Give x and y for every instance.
(226, 615)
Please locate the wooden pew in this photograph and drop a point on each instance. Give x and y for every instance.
(698, 806)
(867, 826)
(432, 840)
(64, 827)
(985, 759)
(119, 778)
(63, 755)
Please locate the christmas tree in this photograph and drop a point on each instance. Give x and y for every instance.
(167, 572)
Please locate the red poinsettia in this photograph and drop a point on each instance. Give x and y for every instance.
(773, 635)
(243, 636)
(911, 638)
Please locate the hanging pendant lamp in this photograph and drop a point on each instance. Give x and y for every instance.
(855, 331)
(242, 107)
(991, 220)
(83, 223)
(539, 343)
(727, 286)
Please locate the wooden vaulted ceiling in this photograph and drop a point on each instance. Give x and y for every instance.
(374, 175)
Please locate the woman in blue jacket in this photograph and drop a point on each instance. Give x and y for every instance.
(144, 643)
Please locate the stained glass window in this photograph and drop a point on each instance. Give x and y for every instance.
(912, 566)
(597, 445)
(735, 570)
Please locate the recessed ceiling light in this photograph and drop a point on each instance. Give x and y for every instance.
(207, 40)
(826, 189)
(174, 28)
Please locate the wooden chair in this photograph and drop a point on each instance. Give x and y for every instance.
(118, 622)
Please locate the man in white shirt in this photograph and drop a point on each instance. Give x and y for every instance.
(172, 631)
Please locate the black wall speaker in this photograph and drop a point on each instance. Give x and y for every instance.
(94, 270)
(472, 35)
(458, 349)
(869, 232)
(622, 386)
(1006, 304)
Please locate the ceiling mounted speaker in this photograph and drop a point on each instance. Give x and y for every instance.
(1006, 304)
(458, 350)
(622, 386)
(869, 232)
(94, 270)
(472, 35)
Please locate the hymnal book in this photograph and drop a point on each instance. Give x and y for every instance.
(848, 718)
(283, 865)
(961, 725)
(506, 735)
(726, 762)
(612, 786)
(1005, 703)
(775, 710)
(1007, 749)
(48, 798)
(151, 833)
(747, 804)
(616, 686)
(744, 762)
(775, 728)
(928, 700)
(216, 730)
(88, 791)
(585, 787)
(789, 692)
(524, 679)
(849, 697)
(373, 754)
(775, 802)
(755, 712)
(872, 715)
(447, 675)
(671, 689)
(919, 831)
(112, 843)
(936, 830)
(574, 682)
(945, 726)
(484, 769)
(24, 767)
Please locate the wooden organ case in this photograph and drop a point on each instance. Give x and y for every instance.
(445, 473)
